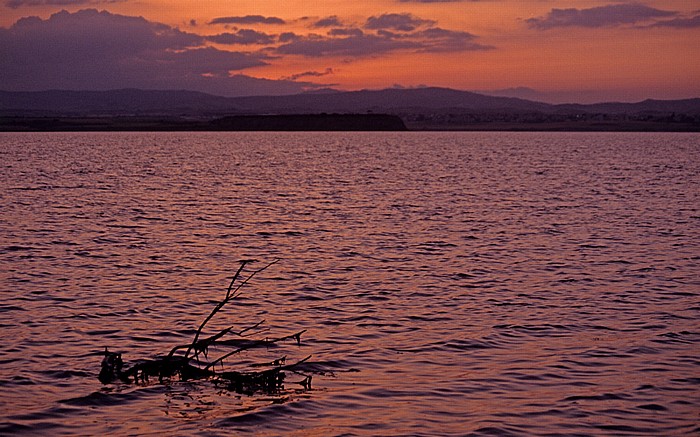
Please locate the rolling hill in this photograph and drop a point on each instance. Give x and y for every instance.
(421, 108)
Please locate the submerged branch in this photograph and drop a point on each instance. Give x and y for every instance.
(200, 346)
(254, 344)
(175, 363)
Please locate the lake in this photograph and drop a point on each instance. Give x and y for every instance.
(450, 283)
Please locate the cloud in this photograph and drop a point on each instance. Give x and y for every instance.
(92, 34)
(402, 22)
(436, 39)
(309, 74)
(381, 34)
(356, 43)
(248, 19)
(679, 23)
(14, 4)
(601, 16)
(99, 50)
(346, 32)
(94, 50)
(243, 37)
(288, 37)
(331, 21)
(353, 46)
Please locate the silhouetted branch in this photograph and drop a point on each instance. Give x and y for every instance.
(254, 344)
(270, 379)
(243, 331)
(218, 306)
(200, 346)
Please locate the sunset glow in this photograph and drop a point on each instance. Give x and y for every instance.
(578, 50)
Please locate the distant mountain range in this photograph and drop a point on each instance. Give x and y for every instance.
(418, 107)
(190, 103)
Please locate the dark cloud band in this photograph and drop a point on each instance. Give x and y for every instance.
(14, 4)
(602, 16)
(248, 19)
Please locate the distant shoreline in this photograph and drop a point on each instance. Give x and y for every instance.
(582, 126)
(319, 122)
(243, 123)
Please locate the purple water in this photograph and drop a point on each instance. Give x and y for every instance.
(450, 283)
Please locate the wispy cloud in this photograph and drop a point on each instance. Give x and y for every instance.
(332, 21)
(298, 76)
(380, 34)
(679, 23)
(402, 22)
(352, 31)
(353, 46)
(437, 39)
(438, 1)
(601, 16)
(248, 19)
(355, 42)
(242, 37)
(14, 4)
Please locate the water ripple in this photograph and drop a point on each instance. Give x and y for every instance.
(450, 283)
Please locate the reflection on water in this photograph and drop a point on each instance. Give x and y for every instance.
(453, 283)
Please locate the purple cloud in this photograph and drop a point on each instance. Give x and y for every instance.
(346, 32)
(248, 19)
(331, 21)
(353, 46)
(92, 34)
(356, 43)
(99, 50)
(14, 4)
(401, 22)
(289, 37)
(309, 74)
(436, 39)
(381, 34)
(243, 37)
(679, 23)
(601, 16)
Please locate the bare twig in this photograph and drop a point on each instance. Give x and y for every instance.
(217, 307)
(231, 293)
(247, 279)
(201, 345)
(243, 331)
(254, 344)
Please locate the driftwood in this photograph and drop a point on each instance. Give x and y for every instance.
(193, 363)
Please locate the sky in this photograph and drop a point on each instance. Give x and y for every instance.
(551, 50)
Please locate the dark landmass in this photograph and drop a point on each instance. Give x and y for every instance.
(313, 122)
(301, 122)
(558, 122)
(420, 109)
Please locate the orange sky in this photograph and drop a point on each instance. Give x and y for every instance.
(591, 50)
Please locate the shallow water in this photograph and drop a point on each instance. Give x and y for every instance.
(450, 283)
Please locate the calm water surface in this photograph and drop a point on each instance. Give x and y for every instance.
(450, 283)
